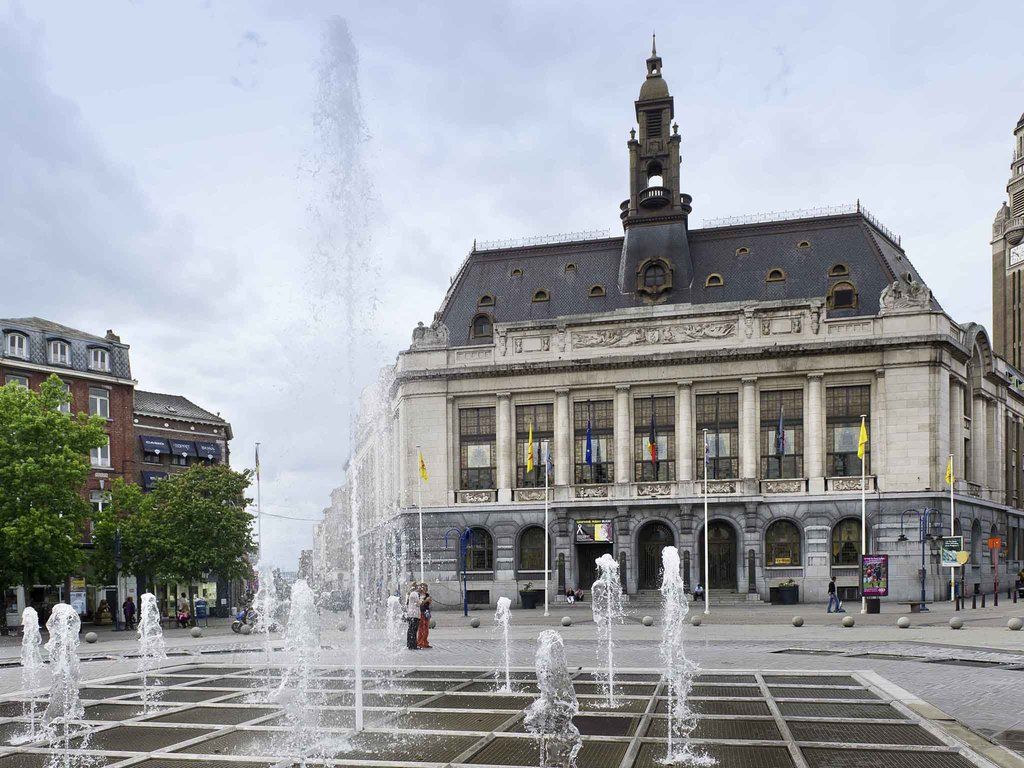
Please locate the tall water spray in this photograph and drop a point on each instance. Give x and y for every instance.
(551, 714)
(502, 616)
(357, 603)
(32, 669)
(679, 670)
(63, 719)
(266, 603)
(152, 649)
(606, 606)
(299, 690)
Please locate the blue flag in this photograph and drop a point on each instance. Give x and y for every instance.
(549, 465)
(780, 436)
(590, 446)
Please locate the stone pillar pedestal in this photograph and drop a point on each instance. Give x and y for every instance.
(814, 435)
(748, 434)
(563, 438)
(504, 447)
(622, 435)
(979, 441)
(684, 436)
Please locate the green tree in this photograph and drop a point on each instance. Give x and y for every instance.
(196, 523)
(44, 463)
(127, 514)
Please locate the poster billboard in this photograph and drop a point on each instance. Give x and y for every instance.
(874, 575)
(952, 554)
(593, 531)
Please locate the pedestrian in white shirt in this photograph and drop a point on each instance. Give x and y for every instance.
(412, 616)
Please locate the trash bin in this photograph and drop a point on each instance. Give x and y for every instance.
(202, 611)
(874, 605)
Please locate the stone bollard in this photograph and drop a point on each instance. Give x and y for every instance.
(848, 621)
(903, 622)
(196, 632)
(246, 629)
(696, 620)
(956, 623)
(91, 637)
(566, 621)
(798, 621)
(1015, 624)
(648, 621)
(474, 622)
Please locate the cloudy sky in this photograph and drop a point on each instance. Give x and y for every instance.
(253, 193)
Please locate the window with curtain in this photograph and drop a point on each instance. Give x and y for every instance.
(479, 550)
(664, 426)
(783, 458)
(719, 415)
(542, 419)
(600, 415)
(843, 409)
(846, 542)
(476, 448)
(782, 545)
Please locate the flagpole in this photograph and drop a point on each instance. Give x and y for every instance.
(863, 516)
(419, 508)
(547, 545)
(952, 529)
(707, 568)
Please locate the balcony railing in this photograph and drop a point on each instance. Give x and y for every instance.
(655, 197)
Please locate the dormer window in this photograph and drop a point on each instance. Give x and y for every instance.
(714, 280)
(99, 359)
(60, 352)
(596, 291)
(803, 244)
(775, 275)
(742, 250)
(541, 295)
(570, 268)
(654, 277)
(517, 272)
(838, 270)
(16, 345)
(487, 300)
(482, 326)
(842, 296)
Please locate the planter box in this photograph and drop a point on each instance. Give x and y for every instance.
(531, 599)
(784, 595)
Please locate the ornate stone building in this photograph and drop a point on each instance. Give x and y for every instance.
(770, 335)
(1008, 261)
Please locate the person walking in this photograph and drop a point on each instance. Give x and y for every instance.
(412, 616)
(833, 598)
(423, 636)
(128, 609)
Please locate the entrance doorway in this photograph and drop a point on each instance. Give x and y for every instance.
(653, 538)
(586, 555)
(721, 555)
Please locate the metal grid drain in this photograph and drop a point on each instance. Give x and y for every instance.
(748, 679)
(782, 692)
(824, 709)
(506, 750)
(863, 733)
(651, 755)
(212, 715)
(472, 701)
(141, 738)
(723, 730)
(873, 758)
(815, 680)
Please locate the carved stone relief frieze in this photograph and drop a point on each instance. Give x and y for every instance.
(682, 333)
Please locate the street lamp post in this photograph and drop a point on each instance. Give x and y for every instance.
(924, 533)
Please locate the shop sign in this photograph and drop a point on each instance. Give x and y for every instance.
(593, 531)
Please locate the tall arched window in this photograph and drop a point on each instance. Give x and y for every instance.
(482, 327)
(479, 550)
(976, 543)
(846, 542)
(531, 549)
(654, 177)
(782, 545)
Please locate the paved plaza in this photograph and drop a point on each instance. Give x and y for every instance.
(771, 693)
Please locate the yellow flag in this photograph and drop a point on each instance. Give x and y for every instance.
(949, 472)
(863, 439)
(423, 467)
(529, 452)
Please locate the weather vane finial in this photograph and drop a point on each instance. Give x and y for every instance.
(654, 44)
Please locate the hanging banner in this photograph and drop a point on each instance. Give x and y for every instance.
(874, 575)
(593, 531)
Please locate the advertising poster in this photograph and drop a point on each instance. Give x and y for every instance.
(874, 575)
(593, 531)
(952, 552)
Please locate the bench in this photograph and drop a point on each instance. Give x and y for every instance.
(915, 605)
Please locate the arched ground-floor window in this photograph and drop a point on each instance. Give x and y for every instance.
(782, 545)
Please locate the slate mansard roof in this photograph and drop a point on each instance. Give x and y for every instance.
(173, 407)
(873, 259)
(40, 332)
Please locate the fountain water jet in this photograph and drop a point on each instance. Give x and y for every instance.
(394, 637)
(501, 617)
(266, 604)
(606, 606)
(551, 714)
(63, 719)
(32, 668)
(679, 670)
(152, 649)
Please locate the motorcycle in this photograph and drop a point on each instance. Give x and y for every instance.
(245, 617)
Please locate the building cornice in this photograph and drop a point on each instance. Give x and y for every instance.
(64, 372)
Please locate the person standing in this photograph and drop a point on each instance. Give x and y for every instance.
(423, 637)
(833, 599)
(128, 609)
(412, 616)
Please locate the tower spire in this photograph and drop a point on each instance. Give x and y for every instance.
(654, 44)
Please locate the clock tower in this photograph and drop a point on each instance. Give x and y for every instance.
(1008, 262)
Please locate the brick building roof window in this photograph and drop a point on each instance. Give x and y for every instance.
(16, 345)
(99, 359)
(60, 352)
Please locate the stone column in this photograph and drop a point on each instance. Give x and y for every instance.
(505, 446)
(453, 449)
(748, 429)
(623, 438)
(979, 441)
(996, 453)
(956, 429)
(402, 453)
(814, 435)
(877, 427)
(684, 433)
(563, 438)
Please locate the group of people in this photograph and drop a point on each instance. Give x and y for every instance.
(417, 613)
(572, 595)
